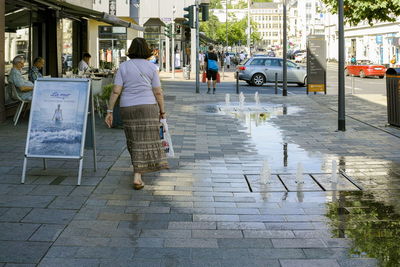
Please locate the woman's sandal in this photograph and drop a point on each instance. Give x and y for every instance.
(138, 186)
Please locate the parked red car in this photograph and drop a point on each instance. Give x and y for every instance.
(365, 68)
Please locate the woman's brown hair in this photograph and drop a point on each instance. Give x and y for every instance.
(139, 49)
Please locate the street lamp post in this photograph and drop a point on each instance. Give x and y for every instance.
(197, 47)
(341, 93)
(248, 26)
(284, 91)
(226, 22)
(173, 42)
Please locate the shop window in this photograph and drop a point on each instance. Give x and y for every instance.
(67, 61)
(112, 46)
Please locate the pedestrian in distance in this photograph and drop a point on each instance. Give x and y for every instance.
(242, 56)
(393, 61)
(142, 107)
(353, 60)
(227, 61)
(201, 60)
(211, 64)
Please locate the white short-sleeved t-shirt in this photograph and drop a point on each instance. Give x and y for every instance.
(138, 77)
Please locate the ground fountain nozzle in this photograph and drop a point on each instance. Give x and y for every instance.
(299, 174)
(265, 174)
(227, 99)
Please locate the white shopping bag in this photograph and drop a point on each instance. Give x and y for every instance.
(166, 139)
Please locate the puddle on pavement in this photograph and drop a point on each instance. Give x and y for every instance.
(368, 218)
(281, 154)
(373, 226)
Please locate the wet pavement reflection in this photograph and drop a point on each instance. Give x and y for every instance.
(373, 226)
(269, 140)
(369, 218)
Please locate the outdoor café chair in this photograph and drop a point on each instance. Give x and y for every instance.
(16, 96)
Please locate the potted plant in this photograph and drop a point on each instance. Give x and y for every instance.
(105, 96)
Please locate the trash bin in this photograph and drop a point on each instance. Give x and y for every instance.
(393, 96)
(186, 72)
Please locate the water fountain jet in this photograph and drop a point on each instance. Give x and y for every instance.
(299, 174)
(241, 100)
(265, 174)
(334, 175)
(227, 99)
(257, 98)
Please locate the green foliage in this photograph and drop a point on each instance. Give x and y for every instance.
(215, 4)
(356, 11)
(107, 90)
(241, 5)
(373, 226)
(236, 30)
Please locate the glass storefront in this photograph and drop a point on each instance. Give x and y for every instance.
(67, 45)
(16, 44)
(112, 46)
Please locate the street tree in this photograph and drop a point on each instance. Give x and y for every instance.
(356, 11)
(215, 4)
(216, 30)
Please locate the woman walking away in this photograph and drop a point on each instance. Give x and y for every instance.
(142, 107)
(211, 61)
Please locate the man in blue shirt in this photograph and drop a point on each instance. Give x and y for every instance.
(24, 87)
(34, 72)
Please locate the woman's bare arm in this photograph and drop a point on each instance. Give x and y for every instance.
(117, 89)
(159, 94)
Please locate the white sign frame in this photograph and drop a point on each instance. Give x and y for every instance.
(37, 90)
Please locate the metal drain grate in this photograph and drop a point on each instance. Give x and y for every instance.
(313, 182)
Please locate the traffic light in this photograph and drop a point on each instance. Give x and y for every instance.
(168, 30)
(204, 11)
(190, 16)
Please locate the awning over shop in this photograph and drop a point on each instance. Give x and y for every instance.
(93, 14)
(154, 22)
(15, 10)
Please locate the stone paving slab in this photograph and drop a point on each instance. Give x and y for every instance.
(343, 183)
(201, 212)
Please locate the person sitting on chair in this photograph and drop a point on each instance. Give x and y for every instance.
(84, 63)
(24, 87)
(34, 72)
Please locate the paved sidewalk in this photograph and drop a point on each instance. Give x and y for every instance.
(210, 209)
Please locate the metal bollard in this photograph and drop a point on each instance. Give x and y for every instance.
(276, 83)
(237, 82)
(352, 84)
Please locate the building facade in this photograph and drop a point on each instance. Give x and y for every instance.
(58, 31)
(305, 17)
(269, 19)
(108, 44)
(154, 15)
(378, 43)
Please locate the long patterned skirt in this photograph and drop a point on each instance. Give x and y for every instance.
(142, 131)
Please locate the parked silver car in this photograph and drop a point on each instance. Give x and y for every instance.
(259, 70)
